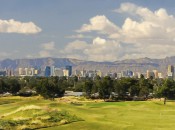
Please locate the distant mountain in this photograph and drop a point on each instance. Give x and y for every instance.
(39, 62)
(136, 65)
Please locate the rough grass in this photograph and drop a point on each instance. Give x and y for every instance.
(33, 116)
(134, 115)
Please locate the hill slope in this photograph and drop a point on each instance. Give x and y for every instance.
(140, 65)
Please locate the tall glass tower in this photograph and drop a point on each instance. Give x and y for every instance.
(47, 71)
(69, 68)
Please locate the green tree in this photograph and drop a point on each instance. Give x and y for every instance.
(105, 88)
(13, 85)
(50, 88)
(2, 86)
(168, 89)
(87, 88)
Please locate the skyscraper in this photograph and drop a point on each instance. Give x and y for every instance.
(47, 71)
(65, 72)
(58, 72)
(52, 71)
(69, 68)
(170, 72)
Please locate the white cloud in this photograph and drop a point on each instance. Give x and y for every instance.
(48, 46)
(4, 54)
(12, 26)
(44, 53)
(99, 50)
(101, 24)
(127, 7)
(47, 50)
(149, 24)
(99, 41)
(79, 36)
(144, 33)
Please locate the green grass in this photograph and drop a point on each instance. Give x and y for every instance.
(134, 115)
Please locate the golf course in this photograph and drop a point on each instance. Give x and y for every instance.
(73, 113)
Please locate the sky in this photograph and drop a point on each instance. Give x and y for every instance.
(95, 30)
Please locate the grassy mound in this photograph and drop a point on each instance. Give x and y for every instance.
(34, 117)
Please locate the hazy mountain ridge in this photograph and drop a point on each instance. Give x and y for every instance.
(140, 65)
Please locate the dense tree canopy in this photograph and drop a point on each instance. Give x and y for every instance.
(98, 87)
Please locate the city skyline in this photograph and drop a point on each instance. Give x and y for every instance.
(108, 30)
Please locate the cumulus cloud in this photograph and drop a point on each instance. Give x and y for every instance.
(12, 26)
(47, 49)
(149, 24)
(144, 33)
(4, 54)
(48, 46)
(44, 53)
(101, 24)
(98, 50)
(79, 36)
(99, 41)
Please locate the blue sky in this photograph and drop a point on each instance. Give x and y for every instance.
(98, 30)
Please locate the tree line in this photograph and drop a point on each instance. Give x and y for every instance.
(105, 88)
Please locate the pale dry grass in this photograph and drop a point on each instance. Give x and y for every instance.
(70, 99)
(30, 107)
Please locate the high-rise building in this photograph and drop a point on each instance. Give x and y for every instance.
(119, 75)
(78, 73)
(99, 73)
(47, 71)
(112, 74)
(160, 75)
(124, 73)
(156, 73)
(91, 73)
(83, 73)
(170, 72)
(58, 72)
(36, 72)
(149, 74)
(9, 72)
(26, 71)
(170, 68)
(21, 71)
(69, 68)
(32, 71)
(52, 71)
(129, 73)
(2, 73)
(65, 72)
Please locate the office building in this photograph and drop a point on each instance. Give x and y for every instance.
(47, 71)
(65, 72)
(156, 73)
(170, 72)
(58, 72)
(69, 68)
(149, 74)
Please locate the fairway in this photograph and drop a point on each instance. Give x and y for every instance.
(145, 115)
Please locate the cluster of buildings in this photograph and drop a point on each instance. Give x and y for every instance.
(67, 71)
(88, 73)
(127, 73)
(7, 72)
(52, 71)
(28, 71)
(48, 71)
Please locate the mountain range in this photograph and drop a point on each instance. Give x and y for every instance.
(136, 65)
